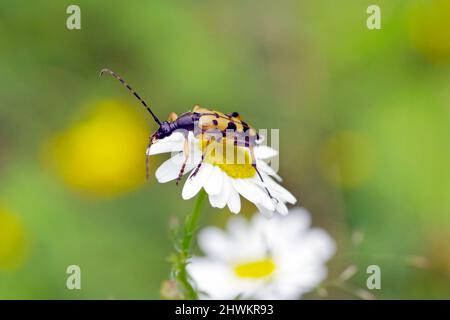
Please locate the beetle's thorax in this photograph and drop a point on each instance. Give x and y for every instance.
(186, 121)
(165, 130)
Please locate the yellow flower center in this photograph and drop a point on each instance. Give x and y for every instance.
(255, 269)
(234, 161)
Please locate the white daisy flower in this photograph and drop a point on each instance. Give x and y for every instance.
(223, 181)
(278, 258)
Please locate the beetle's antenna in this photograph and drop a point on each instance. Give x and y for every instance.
(115, 75)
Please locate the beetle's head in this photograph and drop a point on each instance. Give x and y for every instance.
(164, 130)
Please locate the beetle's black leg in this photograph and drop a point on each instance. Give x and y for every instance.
(201, 161)
(147, 157)
(252, 156)
(186, 156)
(199, 165)
(197, 168)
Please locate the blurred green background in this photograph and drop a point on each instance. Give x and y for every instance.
(364, 119)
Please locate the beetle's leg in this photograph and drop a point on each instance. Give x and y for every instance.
(151, 141)
(172, 117)
(147, 159)
(198, 167)
(253, 158)
(208, 142)
(186, 156)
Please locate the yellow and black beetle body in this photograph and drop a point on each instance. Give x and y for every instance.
(212, 124)
(208, 122)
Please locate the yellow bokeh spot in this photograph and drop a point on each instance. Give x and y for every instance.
(234, 161)
(12, 241)
(255, 269)
(429, 29)
(104, 155)
(347, 159)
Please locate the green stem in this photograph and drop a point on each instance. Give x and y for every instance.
(190, 227)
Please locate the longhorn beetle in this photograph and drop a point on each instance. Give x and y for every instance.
(201, 121)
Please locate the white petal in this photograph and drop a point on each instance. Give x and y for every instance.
(322, 244)
(277, 190)
(213, 279)
(172, 143)
(215, 200)
(253, 193)
(170, 168)
(220, 200)
(243, 187)
(213, 184)
(167, 171)
(298, 220)
(264, 152)
(234, 201)
(264, 167)
(238, 228)
(281, 208)
(246, 243)
(214, 242)
(295, 226)
(194, 183)
(264, 211)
